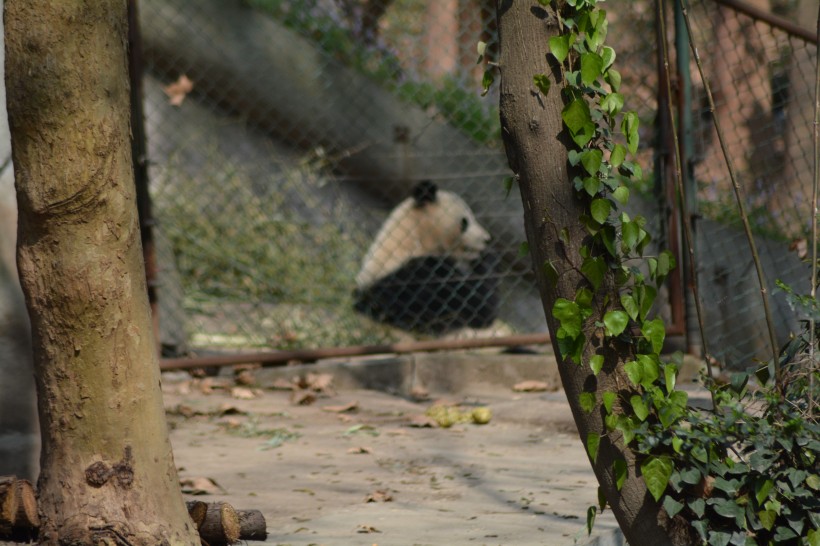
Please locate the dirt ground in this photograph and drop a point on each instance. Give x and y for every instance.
(354, 466)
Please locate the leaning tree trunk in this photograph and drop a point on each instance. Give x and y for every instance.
(536, 145)
(107, 472)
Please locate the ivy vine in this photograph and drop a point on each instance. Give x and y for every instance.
(744, 472)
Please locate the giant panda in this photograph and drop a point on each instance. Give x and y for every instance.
(428, 269)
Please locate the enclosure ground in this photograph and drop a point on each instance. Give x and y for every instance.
(350, 469)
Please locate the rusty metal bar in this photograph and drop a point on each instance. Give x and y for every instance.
(283, 358)
(770, 19)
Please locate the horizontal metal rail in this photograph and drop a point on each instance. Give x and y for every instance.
(770, 19)
(283, 358)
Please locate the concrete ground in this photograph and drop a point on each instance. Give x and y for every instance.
(353, 468)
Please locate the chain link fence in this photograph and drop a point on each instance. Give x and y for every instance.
(282, 132)
(761, 73)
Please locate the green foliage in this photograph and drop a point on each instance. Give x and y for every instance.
(743, 473)
(461, 107)
(747, 470)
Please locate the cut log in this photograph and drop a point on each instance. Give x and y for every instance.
(221, 525)
(252, 525)
(197, 510)
(8, 505)
(27, 519)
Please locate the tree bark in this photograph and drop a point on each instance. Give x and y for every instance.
(536, 145)
(107, 471)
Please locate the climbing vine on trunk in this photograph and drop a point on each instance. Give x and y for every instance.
(724, 476)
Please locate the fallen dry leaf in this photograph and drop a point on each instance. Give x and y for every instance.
(245, 377)
(200, 486)
(283, 384)
(419, 394)
(302, 398)
(422, 421)
(243, 393)
(361, 450)
(185, 411)
(380, 495)
(229, 409)
(367, 529)
(178, 90)
(319, 382)
(352, 406)
(531, 386)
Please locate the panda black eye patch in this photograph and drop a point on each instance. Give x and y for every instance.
(464, 224)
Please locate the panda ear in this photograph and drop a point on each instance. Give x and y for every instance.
(424, 192)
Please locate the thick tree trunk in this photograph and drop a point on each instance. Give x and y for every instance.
(536, 145)
(107, 472)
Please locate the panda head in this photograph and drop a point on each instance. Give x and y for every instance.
(431, 222)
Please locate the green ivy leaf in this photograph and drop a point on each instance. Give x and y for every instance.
(600, 209)
(583, 297)
(698, 506)
(813, 481)
(650, 369)
(487, 81)
(672, 506)
(613, 78)
(729, 508)
(629, 235)
(596, 363)
(615, 322)
(608, 56)
(593, 442)
(608, 237)
(655, 332)
(551, 273)
(559, 46)
(616, 158)
(767, 519)
(670, 375)
(542, 82)
(587, 401)
(613, 103)
(633, 372)
(601, 499)
(639, 407)
(629, 127)
(656, 472)
(592, 185)
(647, 298)
(677, 444)
(621, 194)
(591, 160)
(608, 399)
(592, 66)
(569, 315)
(571, 348)
(594, 270)
(591, 512)
(578, 120)
(620, 472)
(574, 157)
(629, 305)
(762, 490)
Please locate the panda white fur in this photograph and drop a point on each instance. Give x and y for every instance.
(428, 269)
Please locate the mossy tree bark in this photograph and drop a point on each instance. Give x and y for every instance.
(107, 471)
(536, 145)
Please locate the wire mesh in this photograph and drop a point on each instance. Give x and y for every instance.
(307, 121)
(762, 79)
